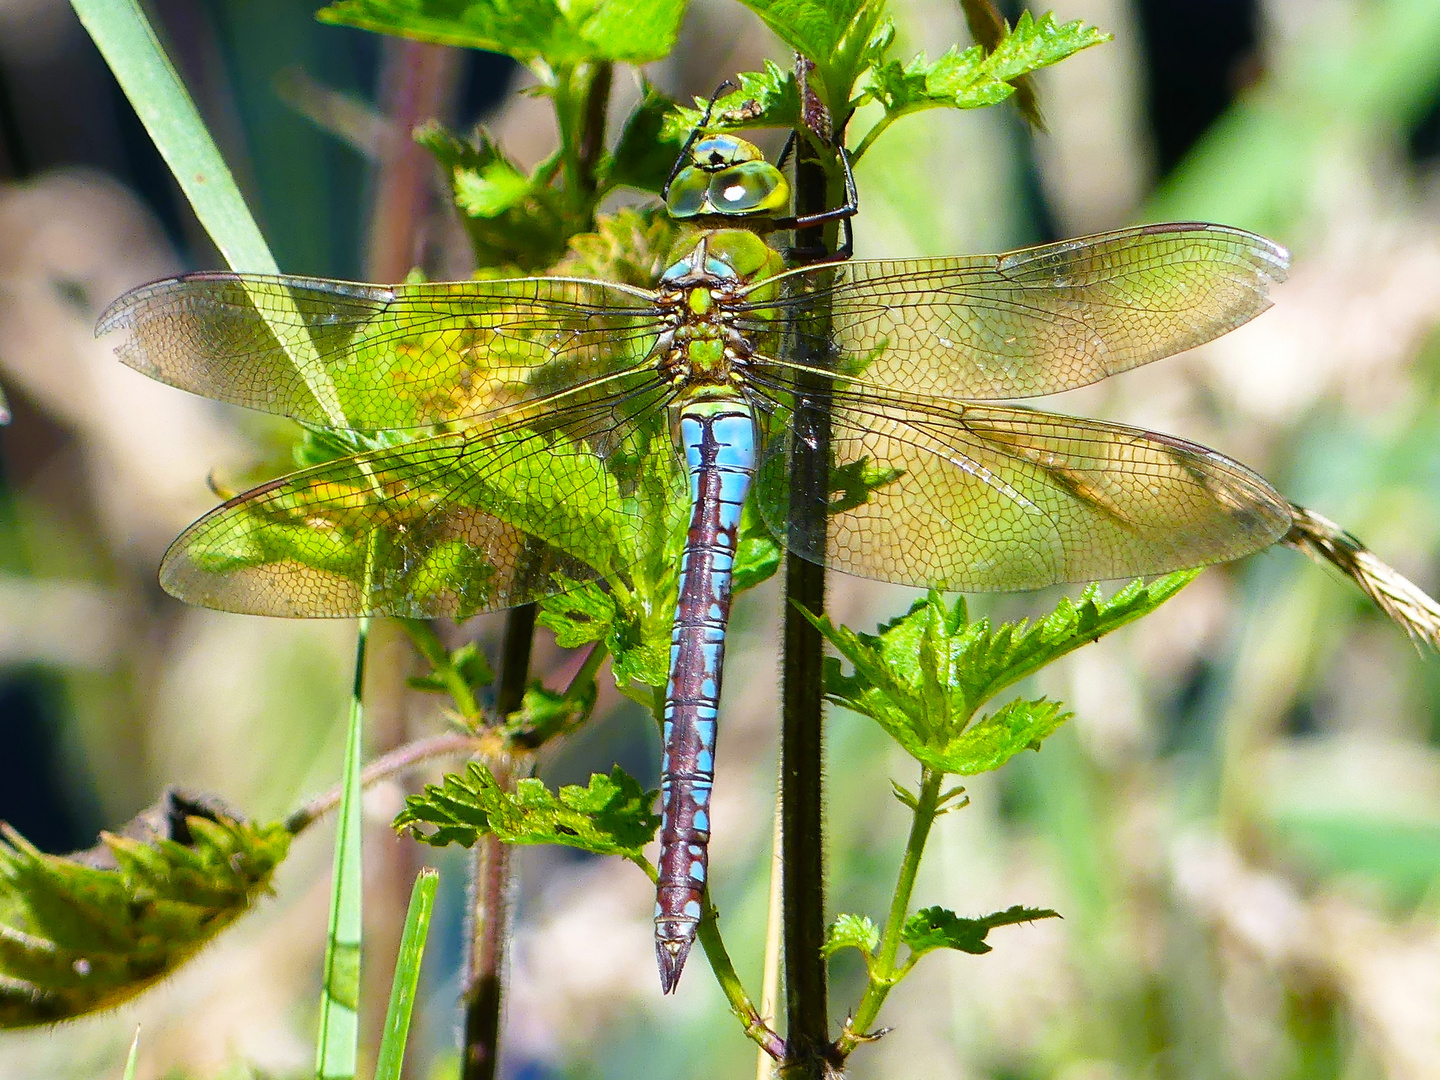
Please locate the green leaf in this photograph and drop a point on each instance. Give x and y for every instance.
(935, 928)
(995, 739)
(766, 99)
(517, 224)
(578, 616)
(924, 676)
(852, 484)
(633, 612)
(757, 554)
(647, 148)
(391, 1058)
(560, 34)
(988, 29)
(972, 78)
(851, 932)
(631, 246)
(842, 37)
(318, 445)
(545, 714)
(610, 817)
(460, 673)
(84, 932)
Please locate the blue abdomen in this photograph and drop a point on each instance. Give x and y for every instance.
(719, 440)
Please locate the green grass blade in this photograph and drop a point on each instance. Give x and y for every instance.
(134, 1057)
(129, 45)
(407, 977)
(340, 999)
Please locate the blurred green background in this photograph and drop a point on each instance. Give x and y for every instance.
(1241, 827)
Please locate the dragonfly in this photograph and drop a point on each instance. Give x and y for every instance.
(569, 416)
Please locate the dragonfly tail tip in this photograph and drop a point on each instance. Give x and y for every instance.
(670, 954)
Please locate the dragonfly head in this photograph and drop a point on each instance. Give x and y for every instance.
(727, 176)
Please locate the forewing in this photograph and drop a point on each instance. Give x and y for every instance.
(1029, 322)
(451, 525)
(983, 498)
(374, 357)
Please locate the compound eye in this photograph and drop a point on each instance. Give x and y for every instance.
(749, 187)
(716, 151)
(686, 197)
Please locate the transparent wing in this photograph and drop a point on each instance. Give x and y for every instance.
(451, 525)
(984, 498)
(375, 357)
(1030, 322)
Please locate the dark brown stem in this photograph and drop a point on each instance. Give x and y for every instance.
(483, 987)
(801, 768)
(592, 135)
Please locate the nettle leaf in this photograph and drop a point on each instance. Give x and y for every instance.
(852, 484)
(636, 636)
(647, 147)
(926, 673)
(83, 932)
(517, 223)
(318, 445)
(973, 78)
(633, 608)
(841, 37)
(609, 817)
(467, 663)
(995, 739)
(560, 34)
(631, 246)
(545, 714)
(936, 928)
(757, 553)
(851, 932)
(766, 99)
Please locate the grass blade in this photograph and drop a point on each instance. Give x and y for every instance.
(128, 43)
(134, 1057)
(337, 1049)
(407, 977)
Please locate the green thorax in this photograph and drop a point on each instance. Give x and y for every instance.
(702, 291)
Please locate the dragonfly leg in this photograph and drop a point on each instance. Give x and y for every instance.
(844, 214)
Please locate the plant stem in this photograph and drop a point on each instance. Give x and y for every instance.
(588, 670)
(870, 136)
(515, 660)
(740, 1004)
(774, 919)
(592, 134)
(884, 973)
(416, 83)
(801, 760)
(396, 761)
(484, 986)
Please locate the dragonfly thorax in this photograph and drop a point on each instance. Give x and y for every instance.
(699, 294)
